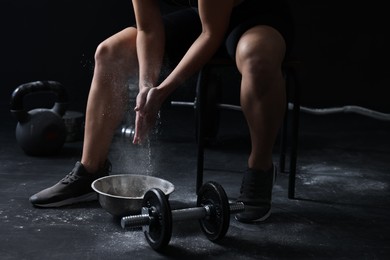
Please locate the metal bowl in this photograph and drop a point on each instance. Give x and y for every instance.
(122, 195)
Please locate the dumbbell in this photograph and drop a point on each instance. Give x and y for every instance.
(128, 132)
(213, 212)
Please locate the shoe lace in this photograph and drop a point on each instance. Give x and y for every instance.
(70, 177)
(73, 176)
(250, 188)
(255, 186)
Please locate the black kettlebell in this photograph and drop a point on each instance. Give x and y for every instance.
(40, 131)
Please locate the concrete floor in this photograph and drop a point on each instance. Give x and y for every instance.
(341, 210)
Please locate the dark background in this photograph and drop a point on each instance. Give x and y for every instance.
(344, 47)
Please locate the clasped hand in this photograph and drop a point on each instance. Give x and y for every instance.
(148, 103)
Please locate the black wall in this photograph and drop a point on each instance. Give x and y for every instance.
(344, 47)
(56, 40)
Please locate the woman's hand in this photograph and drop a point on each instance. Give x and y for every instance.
(149, 101)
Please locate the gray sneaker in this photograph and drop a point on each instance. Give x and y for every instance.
(73, 188)
(256, 194)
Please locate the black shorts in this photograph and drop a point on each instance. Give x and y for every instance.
(182, 27)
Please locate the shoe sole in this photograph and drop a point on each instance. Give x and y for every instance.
(83, 198)
(263, 218)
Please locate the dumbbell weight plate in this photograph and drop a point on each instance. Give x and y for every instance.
(159, 231)
(215, 226)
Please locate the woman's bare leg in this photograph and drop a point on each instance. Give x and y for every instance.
(115, 64)
(260, 53)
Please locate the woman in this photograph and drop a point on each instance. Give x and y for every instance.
(256, 34)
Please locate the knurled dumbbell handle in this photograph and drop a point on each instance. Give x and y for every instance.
(135, 221)
(144, 219)
(202, 212)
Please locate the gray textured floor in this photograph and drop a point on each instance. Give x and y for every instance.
(342, 209)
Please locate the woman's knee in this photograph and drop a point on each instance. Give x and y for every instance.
(117, 48)
(260, 51)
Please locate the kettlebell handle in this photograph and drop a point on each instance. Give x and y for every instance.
(16, 104)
